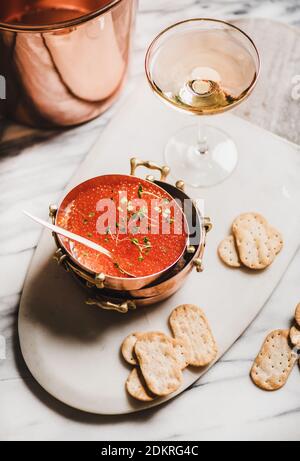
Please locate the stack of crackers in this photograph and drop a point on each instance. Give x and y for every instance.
(159, 359)
(254, 243)
(277, 357)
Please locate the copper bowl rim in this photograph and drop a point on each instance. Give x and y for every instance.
(63, 24)
(148, 278)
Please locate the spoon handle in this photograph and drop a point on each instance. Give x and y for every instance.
(69, 235)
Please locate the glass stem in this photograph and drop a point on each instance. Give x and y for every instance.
(202, 144)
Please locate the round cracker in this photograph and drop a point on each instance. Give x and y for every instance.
(228, 253)
(295, 336)
(136, 387)
(276, 240)
(127, 348)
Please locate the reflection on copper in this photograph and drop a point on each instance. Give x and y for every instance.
(43, 13)
(66, 74)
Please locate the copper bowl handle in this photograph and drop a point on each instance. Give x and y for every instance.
(198, 262)
(123, 307)
(136, 162)
(207, 224)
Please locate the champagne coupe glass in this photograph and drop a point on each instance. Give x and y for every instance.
(202, 67)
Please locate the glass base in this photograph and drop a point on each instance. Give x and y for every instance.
(183, 155)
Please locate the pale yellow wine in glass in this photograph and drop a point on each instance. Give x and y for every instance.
(202, 67)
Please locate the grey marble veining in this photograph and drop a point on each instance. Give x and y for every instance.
(34, 174)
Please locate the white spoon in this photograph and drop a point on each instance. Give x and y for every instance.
(77, 238)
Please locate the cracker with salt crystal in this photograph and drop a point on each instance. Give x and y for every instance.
(228, 253)
(274, 362)
(158, 362)
(257, 242)
(136, 387)
(190, 323)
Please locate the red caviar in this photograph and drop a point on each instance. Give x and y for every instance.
(135, 219)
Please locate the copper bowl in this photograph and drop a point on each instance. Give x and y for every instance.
(63, 63)
(113, 282)
(122, 294)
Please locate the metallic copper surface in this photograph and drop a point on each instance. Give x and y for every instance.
(122, 294)
(64, 62)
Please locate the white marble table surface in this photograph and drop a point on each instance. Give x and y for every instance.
(224, 404)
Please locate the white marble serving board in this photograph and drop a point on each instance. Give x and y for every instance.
(73, 350)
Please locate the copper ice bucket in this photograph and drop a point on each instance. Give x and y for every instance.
(62, 62)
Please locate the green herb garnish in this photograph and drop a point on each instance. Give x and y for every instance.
(143, 249)
(118, 267)
(140, 191)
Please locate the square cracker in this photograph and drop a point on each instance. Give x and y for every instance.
(158, 362)
(274, 362)
(257, 242)
(190, 323)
